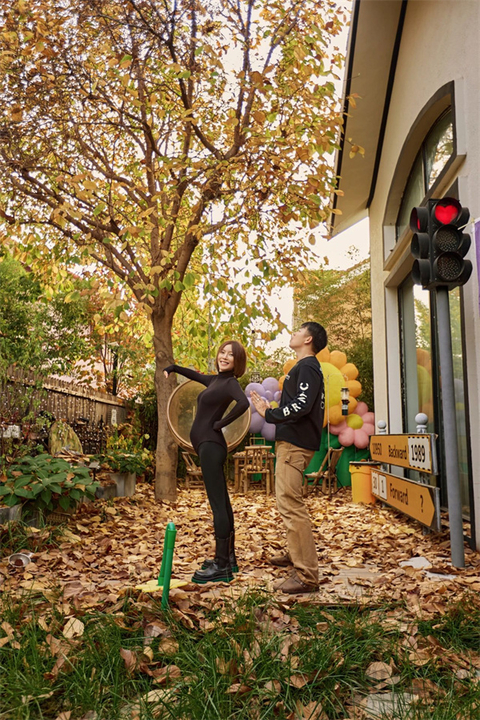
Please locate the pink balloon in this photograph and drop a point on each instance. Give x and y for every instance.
(337, 429)
(254, 386)
(369, 418)
(361, 408)
(361, 439)
(346, 437)
(369, 429)
(268, 431)
(270, 384)
(256, 423)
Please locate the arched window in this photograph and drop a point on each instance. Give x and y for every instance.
(433, 156)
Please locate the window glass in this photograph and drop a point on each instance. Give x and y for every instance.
(412, 196)
(438, 148)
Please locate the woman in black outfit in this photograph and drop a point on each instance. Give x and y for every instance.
(209, 443)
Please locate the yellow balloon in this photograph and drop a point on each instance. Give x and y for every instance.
(335, 415)
(338, 358)
(334, 381)
(273, 404)
(288, 366)
(323, 355)
(354, 387)
(352, 404)
(354, 421)
(424, 380)
(350, 371)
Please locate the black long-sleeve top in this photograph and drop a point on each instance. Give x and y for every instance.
(299, 418)
(220, 391)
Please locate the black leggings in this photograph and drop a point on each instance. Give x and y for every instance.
(212, 456)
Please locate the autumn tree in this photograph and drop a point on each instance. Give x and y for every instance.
(140, 134)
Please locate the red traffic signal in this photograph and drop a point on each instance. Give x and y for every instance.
(440, 245)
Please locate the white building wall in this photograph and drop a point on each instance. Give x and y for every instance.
(440, 44)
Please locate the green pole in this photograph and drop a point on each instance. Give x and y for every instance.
(167, 561)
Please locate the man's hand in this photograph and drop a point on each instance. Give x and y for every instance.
(259, 403)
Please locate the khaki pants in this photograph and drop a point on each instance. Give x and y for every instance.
(290, 464)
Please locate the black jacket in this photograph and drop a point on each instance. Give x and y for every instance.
(299, 419)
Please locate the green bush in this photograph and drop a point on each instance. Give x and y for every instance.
(45, 482)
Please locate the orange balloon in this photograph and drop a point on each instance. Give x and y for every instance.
(335, 414)
(288, 366)
(352, 403)
(324, 355)
(424, 359)
(354, 387)
(338, 358)
(350, 371)
(280, 382)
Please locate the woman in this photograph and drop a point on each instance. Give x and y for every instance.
(209, 443)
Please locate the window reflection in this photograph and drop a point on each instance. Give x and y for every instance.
(438, 148)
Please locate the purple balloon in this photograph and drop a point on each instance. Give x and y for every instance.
(268, 395)
(254, 386)
(268, 431)
(270, 384)
(277, 396)
(256, 423)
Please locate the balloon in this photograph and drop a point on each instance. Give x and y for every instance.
(368, 417)
(337, 429)
(361, 439)
(270, 384)
(362, 408)
(254, 386)
(424, 359)
(274, 404)
(288, 366)
(354, 387)
(335, 415)
(354, 421)
(334, 381)
(352, 405)
(323, 355)
(350, 371)
(337, 358)
(267, 395)
(268, 431)
(424, 385)
(280, 382)
(369, 429)
(346, 437)
(256, 423)
(277, 396)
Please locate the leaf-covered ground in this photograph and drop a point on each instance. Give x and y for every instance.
(110, 546)
(379, 640)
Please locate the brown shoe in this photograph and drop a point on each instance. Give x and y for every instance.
(281, 560)
(293, 585)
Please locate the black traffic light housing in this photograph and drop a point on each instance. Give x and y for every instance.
(439, 244)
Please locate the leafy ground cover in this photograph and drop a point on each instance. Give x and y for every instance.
(77, 641)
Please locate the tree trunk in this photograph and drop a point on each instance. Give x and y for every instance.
(167, 450)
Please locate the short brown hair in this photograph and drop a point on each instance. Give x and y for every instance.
(239, 357)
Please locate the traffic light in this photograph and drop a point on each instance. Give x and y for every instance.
(439, 244)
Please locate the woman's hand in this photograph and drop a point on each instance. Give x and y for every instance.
(259, 403)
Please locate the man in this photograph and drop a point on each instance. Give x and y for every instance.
(299, 421)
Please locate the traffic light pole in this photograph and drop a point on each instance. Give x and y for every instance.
(450, 428)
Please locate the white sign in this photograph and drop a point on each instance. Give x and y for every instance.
(419, 453)
(12, 431)
(114, 416)
(379, 484)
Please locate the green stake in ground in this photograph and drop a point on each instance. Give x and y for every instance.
(164, 581)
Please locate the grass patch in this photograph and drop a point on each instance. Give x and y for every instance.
(248, 659)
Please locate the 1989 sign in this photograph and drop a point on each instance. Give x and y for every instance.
(419, 453)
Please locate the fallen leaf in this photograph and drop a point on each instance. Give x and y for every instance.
(73, 628)
(379, 671)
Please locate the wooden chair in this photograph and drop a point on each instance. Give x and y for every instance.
(257, 461)
(328, 476)
(194, 473)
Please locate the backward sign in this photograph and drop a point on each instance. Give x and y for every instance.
(418, 501)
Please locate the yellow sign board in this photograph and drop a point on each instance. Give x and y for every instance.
(417, 500)
(415, 452)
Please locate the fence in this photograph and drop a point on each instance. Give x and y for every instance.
(88, 411)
